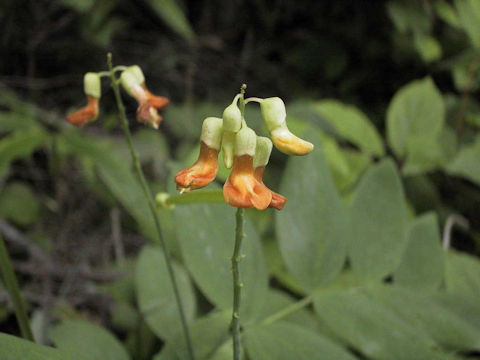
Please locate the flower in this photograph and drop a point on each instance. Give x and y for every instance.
(133, 81)
(278, 201)
(204, 171)
(89, 113)
(242, 189)
(274, 113)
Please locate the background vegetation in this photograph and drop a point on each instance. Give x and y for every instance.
(381, 231)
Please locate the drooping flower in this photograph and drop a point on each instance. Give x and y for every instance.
(274, 113)
(242, 189)
(133, 81)
(88, 113)
(204, 171)
(260, 161)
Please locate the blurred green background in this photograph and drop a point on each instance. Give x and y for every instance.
(387, 207)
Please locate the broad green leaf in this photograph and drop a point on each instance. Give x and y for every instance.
(408, 16)
(416, 111)
(447, 13)
(467, 162)
(422, 265)
(173, 15)
(379, 224)
(468, 308)
(428, 316)
(462, 275)
(20, 145)
(351, 124)
(284, 341)
(87, 341)
(19, 204)
(207, 234)
(155, 295)
(469, 15)
(427, 46)
(313, 227)
(209, 333)
(14, 348)
(371, 328)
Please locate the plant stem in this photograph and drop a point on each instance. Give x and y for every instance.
(288, 310)
(193, 197)
(151, 203)
(11, 284)
(237, 284)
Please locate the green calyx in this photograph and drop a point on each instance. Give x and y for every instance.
(245, 142)
(92, 85)
(262, 151)
(232, 117)
(131, 77)
(212, 132)
(228, 148)
(273, 112)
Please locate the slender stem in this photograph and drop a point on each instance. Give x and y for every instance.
(253, 99)
(288, 310)
(237, 284)
(11, 284)
(151, 203)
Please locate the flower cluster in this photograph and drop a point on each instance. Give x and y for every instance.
(243, 151)
(133, 81)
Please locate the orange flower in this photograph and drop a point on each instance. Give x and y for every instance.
(201, 173)
(242, 189)
(278, 201)
(148, 105)
(85, 115)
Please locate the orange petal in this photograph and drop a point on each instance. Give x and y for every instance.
(147, 114)
(86, 114)
(278, 201)
(160, 102)
(200, 174)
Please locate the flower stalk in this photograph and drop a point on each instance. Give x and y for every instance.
(151, 203)
(11, 284)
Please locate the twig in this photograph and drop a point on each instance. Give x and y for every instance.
(447, 231)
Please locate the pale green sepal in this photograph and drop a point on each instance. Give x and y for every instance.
(92, 85)
(232, 117)
(262, 151)
(273, 112)
(245, 142)
(228, 148)
(212, 132)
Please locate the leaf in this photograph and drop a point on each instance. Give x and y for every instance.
(284, 341)
(155, 295)
(427, 46)
(417, 111)
(428, 316)
(422, 265)
(19, 204)
(20, 145)
(313, 227)
(467, 162)
(170, 12)
(371, 328)
(351, 124)
(14, 348)
(462, 275)
(206, 234)
(209, 333)
(379, 224)
(87, 341)
(447, 13)
(469, 15)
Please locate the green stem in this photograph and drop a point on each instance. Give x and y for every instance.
(237, 284)
(11, 284)
(193, 197)
(151, 203)
(288, 310)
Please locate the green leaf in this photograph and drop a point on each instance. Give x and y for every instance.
(469, 14)
(462, 275)
(209, 333)
(87, 341)
(379, 224)
(371, 328)
(14, 348)
(422, 265)
(351, 124)
(207, 234)
(19, 204)
(170, 12)
(427, 46)
(447, 13)
(417, 111)
(284, 341)
(313, 227)
(20, 145)
(467, 162)
(428, 316)
(155, 295)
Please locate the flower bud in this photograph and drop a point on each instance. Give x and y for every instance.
(228, 148)
(262, 151)
(131, 78)
(92, 85)
(212, 132)
(274, 115)
(232, 117)
(137, 72)
(245, 142)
